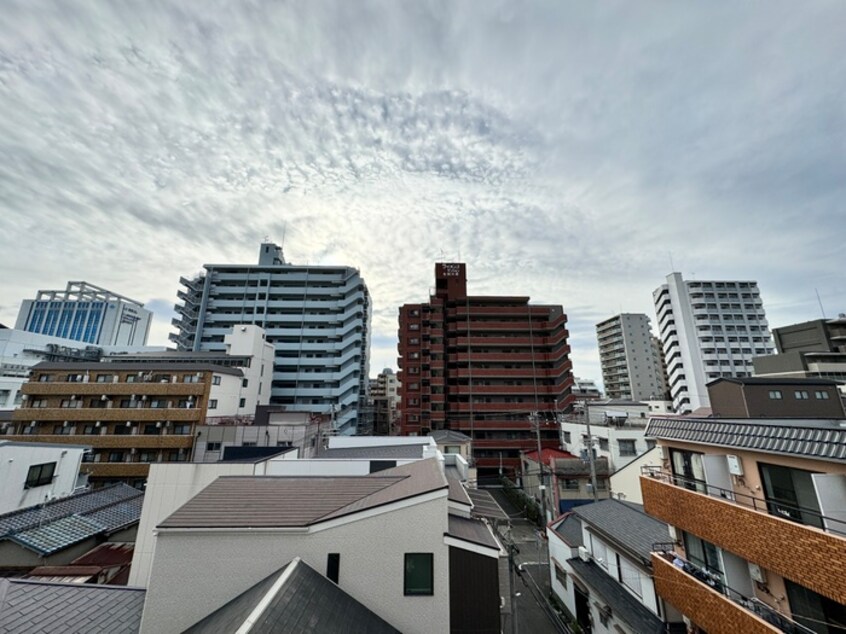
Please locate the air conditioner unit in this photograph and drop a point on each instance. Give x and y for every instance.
(158, 425)
(757, 573)
(584, 555)
(143, 397)
(24, 397)
(73, 397)
(104, 398)
(97, 424)
(32, 424)
(129, 423)
(65, 424)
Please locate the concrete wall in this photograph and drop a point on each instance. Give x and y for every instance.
(371, 570)
(625, 482)
(15, 461)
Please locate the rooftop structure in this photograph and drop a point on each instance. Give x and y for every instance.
(812, 349)
(775, 397)
(316, 317)
(708, 329)
(88, 313)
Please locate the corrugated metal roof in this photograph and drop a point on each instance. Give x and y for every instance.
(28, 606)
(821, 439)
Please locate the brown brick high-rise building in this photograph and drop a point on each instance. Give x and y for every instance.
(483, 366)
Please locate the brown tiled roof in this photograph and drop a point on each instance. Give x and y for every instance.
(284, 501)
(108, 554)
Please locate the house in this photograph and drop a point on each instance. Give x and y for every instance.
(432, 569)
(757, 508)
(28, 606)
(107, 563)
(775, 397)
(32, 473)
(567, 479)
(59, 531)
(600, 569)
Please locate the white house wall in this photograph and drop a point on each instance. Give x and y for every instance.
(15, 461)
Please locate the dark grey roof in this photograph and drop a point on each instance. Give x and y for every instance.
(474, 531)
(37, 606)
(623, 605)
(449, 435)
(298, 600)
(484, 505)
(457, 492)
(567, 467)
(382, 452)
(773, 380)
(570, 530)
(625, 524)
(822, 439)
(117, 366)
(61, 523)
(286, 501)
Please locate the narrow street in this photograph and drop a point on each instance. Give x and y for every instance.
(532, 583)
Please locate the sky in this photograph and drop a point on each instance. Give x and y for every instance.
(576, 152)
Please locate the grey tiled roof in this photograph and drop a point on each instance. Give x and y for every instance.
(623, 605)
(306, 601)
(471, 530)
(625, 524)
(449, 435)
(570, 529)
(61, 523)
(823, 439)
(577, 467)
(384, 452)
(28, 606)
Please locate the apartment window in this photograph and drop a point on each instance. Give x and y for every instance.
(333, 566)
(248, 444)
(216, 379)
(38, 402)
(212, 403)
(242, 402)
(123, 430)
(801, 395)
(105, 378)
(71, 403)
(560, 575)
(40, 474)
(182, 430)
(190, 378)
(245, 383)
(419, 574)
(823, 396)
(212, 446)
(703, 554)
(90, 430)
(570, 484)
(116, 456)
(151, 429)
(62, 430)
(599, 552)
(627, 447)
(775, 395)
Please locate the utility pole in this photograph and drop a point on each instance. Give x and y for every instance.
(511, 548)
(590, 452)
(533, 418)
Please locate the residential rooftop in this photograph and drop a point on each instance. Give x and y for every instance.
(625, 524)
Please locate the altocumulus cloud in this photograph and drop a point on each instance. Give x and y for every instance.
(561, 149)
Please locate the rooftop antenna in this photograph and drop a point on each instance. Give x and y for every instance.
(672, 266)
(284, 231)
(819, 301)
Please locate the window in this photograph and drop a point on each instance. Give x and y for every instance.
(560, 575)
(823, 396)
(40, 474)
(212, 446)
(650, 444)
(603, 444)
(116, 456)
(123, 430)
(569, 484)
(333, 566)
(452, 449)
(105, 378)
(801, 395)
(248, 443)
(182, 430)
(158, 404)
(62, 430)
(599, 552)
(568, 437)
(212, 403)
(775, 395)
(216, 379)
(244, 383)
(151, 429)
(242, 402)
(90, 430)
(630, 576)
(627, 447)
(190, 378)
(71, 403)
(419, 574)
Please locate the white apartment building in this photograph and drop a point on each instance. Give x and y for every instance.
(34, 473)
(316, 317)
(87, 313)
(631, 367)
(708, 329)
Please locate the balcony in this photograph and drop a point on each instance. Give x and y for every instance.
(807, 555)
(713, 606)
(111, 441)
(78, 414)
(113, 389)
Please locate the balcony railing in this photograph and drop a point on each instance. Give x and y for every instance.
(716, 583)
(778, 508)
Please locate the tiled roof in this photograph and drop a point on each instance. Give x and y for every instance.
(623, 605)
(474, 531)
(60, 523)
(268, 501)
(570, 530)
(625, 524)
(449, 435)
(548, 454)
(108, 554)
(578, 467)
(293, 599)
(28, 606)
(383, 452)
(823, 439)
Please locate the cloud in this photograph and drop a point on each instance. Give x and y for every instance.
(566, 151)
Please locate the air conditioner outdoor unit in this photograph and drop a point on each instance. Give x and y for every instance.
(32, 424)
(143, 397)
(65, 424)
(104, 398)
(129, 423)
(757, 573)
(584, 555)
(24, 397)
(97, 424)
(73, 397)
(158, 425)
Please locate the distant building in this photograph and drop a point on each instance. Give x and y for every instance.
(758, 538)
(385, 401)
(812, 349)
(482, 365)
(762, 397)
(316, 317)
(586, 389)
(87, 313)
(631, 369)
(33, 473)
(708, 329)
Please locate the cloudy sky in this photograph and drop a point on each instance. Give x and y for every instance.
(570, 151)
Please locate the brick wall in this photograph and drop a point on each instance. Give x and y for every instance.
(803, 554)
(706, 607)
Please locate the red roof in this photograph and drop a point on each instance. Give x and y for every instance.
(548, 454)
(107, 555)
